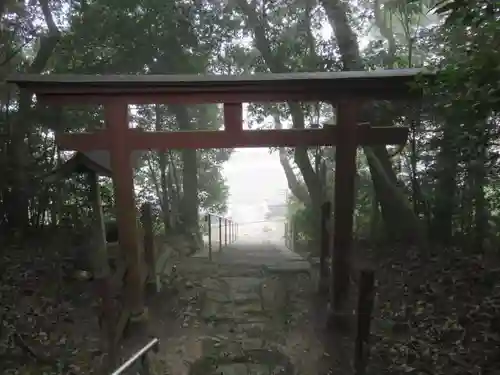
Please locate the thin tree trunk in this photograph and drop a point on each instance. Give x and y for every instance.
(442, 223)
(189, 158)
(162, 163)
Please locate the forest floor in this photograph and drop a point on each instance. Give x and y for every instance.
(439, 315)
(436, 315)
(48, 321)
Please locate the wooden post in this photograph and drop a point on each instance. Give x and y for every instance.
(233, 118)
(100, 267)
(365, 309)
(209, 223)
(220, 233)
(149, 245)
(230, 232)
(325, 237)
(116, 114)
(345, 161)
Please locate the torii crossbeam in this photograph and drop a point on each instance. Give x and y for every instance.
(347, 90)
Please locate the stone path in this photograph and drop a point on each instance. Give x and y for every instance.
(248, 313)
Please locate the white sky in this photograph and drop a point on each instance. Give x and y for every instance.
(254, 176)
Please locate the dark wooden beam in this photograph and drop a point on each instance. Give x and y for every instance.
(116, 118)
(152, 96)
(313, 86)
(345, 173)
(233, 118)
(140, 140)
(99, 140)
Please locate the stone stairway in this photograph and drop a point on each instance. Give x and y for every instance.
(248, 318)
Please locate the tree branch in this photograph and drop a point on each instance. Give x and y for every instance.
(293, 183)
(336, 11)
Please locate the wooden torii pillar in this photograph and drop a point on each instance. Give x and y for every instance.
(346, 90)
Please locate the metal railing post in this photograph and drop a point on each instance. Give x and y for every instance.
(220, 233)
(209, 223)
(141, 354)
(225, 232)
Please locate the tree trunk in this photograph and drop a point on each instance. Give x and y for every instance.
(162, 163)
(189, 175)
(442, 222)
(481, 217)
(164, 191)
(18, 211)
(174, 187)
(190, 190)
(400, 221)
(294, 185)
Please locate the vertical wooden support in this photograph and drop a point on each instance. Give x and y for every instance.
(220, 233)
(364, 310)
(149, 245)
(345, 161)
(100, 267)
(233, 117)
(325, 242)
(116, 114)
(209, 223)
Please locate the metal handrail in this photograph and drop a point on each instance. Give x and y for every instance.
(140, 354)
(216, 215)
(230, 230)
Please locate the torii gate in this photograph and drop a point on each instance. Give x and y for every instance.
(347, 90)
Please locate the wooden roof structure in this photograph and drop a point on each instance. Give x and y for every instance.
(97, 161)
(185, 89)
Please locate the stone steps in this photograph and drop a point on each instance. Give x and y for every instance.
(244, 310)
